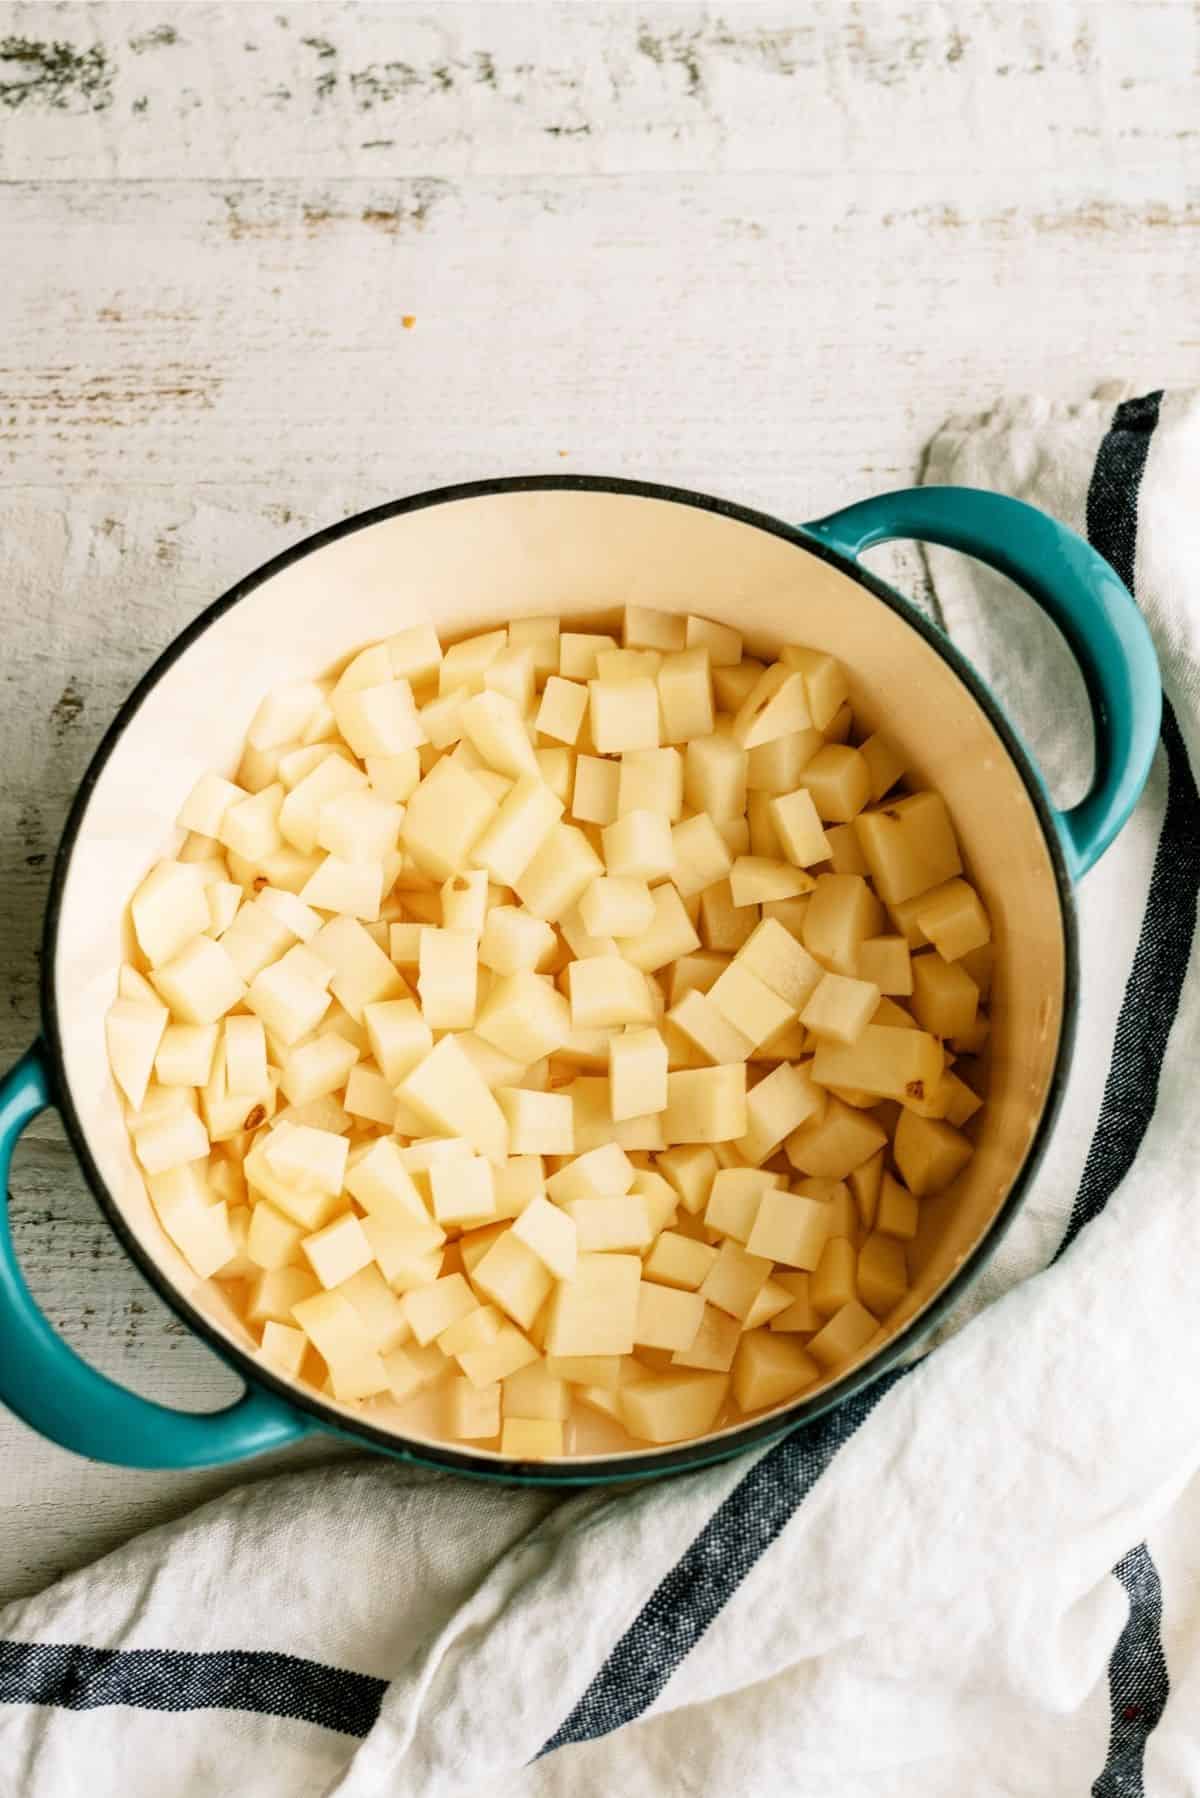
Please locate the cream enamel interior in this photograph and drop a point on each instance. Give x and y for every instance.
(470, 564)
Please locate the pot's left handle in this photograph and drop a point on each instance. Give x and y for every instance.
(47, 1384)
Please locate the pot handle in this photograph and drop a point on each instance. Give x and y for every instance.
(47, 1384)
(1084, 597)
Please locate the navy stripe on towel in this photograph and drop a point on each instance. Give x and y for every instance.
(690, 1597)
(1137, 1678)
(167, 1679)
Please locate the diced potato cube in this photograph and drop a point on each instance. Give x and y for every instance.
(551, 1234)
(465, 664)
(839, 782)
(824, 681)
(351, 889)
(395, 777)
(472, 1412)
(886, 962)
(833, 1281)
(769, 1369)
(359, 826)
(185, 1054)
(670, 935)
(734, 1200)
(283, 1348)
(668, 1407)
(843, 1337)
(446, 1089)
(494, 725)
(133, 1031)
(646, 628)
(667, 1317)
(723, 643)
(561, 712)
(613, 1222)
(882, 1274)
(724, 925)
(334, 1326)
(954, 920)
(200, 982)
(380, 720)
(302, 1156)
(929, 1153)
(602, 1171)
(706, 1104)
(523, 825)
(755, 879)
(368, 1095)
(383, 1185)
(623, 715)
(840, 1010)
(841, 914)
(774, 706)
(639, 846)
(251, 827)
(774, 768)
(513, 939)
(595, 1312)
(617, 907)
(774, 955)
(300, 813)
(337, 1251)
(532, 1392)
(714, 776)
(651, 780)
(749, 1004)
(700, 854)
(276, 1290)
(513, 1277)
(538, 1123)
(531, 1439)
(685, 694)
(446, 981)
(896, 1212)
(637, 1073)
(317, 1068)
(361, 973)
(735, 1279)
(845, 851)
(791, 1228)
(411, 1370)
(577, 651)
(786, 1099)
(508, 1354)
(798, 828)
(445, 817)
(893, 1063)
(525, 1017)
(835, 1143)
(381, 1311)
(884, 764)
(474, 1330)
(415, 654)
(539, 637)
(715, 1344)
(910, 846)
(597, 783)
(607, 991)
(463, 1190)
(945, 998)
(559, 874)
(432, 1309)
(169, 1141)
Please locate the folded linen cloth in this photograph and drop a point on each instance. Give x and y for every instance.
(981, 1576)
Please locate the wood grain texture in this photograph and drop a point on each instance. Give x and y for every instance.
(728, 247)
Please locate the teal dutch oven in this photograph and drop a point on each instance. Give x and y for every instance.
(470, 557)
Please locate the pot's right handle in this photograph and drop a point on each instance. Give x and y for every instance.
(1086, 599)
(48, 1385)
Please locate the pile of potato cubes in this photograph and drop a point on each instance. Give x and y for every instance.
(553, 1022)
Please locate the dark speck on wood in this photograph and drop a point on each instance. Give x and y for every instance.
(66, 710)
(53, 74)
(321, 46)
(159, 38)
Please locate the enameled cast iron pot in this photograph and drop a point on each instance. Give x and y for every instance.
(471, 557)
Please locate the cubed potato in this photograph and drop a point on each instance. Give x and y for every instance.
(799, 1317)
(607, 991)
(708, 1029)
(595, 1312)
(893, 1063)
(724, 925)
(446, 1089)
(696, 973)
(273, 1292)
(732, 686)
(283, 1348)
(670, 935)
(533, 1393)
(715, 1344)
(671, 1406)
(647, 628)
(700, 854)
(840, 1010)
(411, 1370)
(493, 725)
(651, 780)
(539, 1123)
(833, 1282)
(531, 1439)
(773, 707)
(472, 1412)
(769, 1369)
(199, 983)
(785, 1100)
(514, 1278)
(638, 846)
(637, 1073)
(338, 1251)
(945, 999)
(381, 1311)
(351, 889)
(518, 1182)
(601, 1372)
(706, 1104)
(578, 651)
(691, 1170)
(798, 828)
(825, 681)
(837, 1142)
(446, 981)
(735, 1279)
(429, 1310)
(464, 664)
(251, 827)
(774, 768)
(953, 919)
(613, 1222)
(723, 643)
(597, 784)
(616, 906)
(300, 813)
(749, 1004)
(513, 939)
(623, 715)
(841, 915)
(361, 974)
(561, 713)
(780, 962)
(462, 1190)
(445, 817)
(756, 879)
(133, 1031)
(552, 1234)
(685, 694)
(522, 827)
(760, 827)
(734, 1200)
(525, 1017)
(714, 776)
(864, 1184)
(359, 826)
(896, 1213)
(415, 654)
(839, 782)
(667, 1317)
(465, 902)
(791, 1228)
(677, 1260)
(886, 962)
(843, 1338)
(305, 1157)
(910, 846)
(884, 763)
(929, 1153)
(539, 637)
(559, 874)
(882, 1276)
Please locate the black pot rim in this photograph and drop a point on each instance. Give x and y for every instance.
(640, 1464)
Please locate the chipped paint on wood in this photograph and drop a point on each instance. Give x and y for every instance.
(259, 277)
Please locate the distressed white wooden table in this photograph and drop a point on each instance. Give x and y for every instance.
(264, 265)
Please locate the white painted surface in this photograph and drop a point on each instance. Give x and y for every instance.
(710, 246)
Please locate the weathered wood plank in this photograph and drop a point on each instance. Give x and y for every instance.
(465, 90)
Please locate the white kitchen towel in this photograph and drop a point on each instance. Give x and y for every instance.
(981, 1576)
